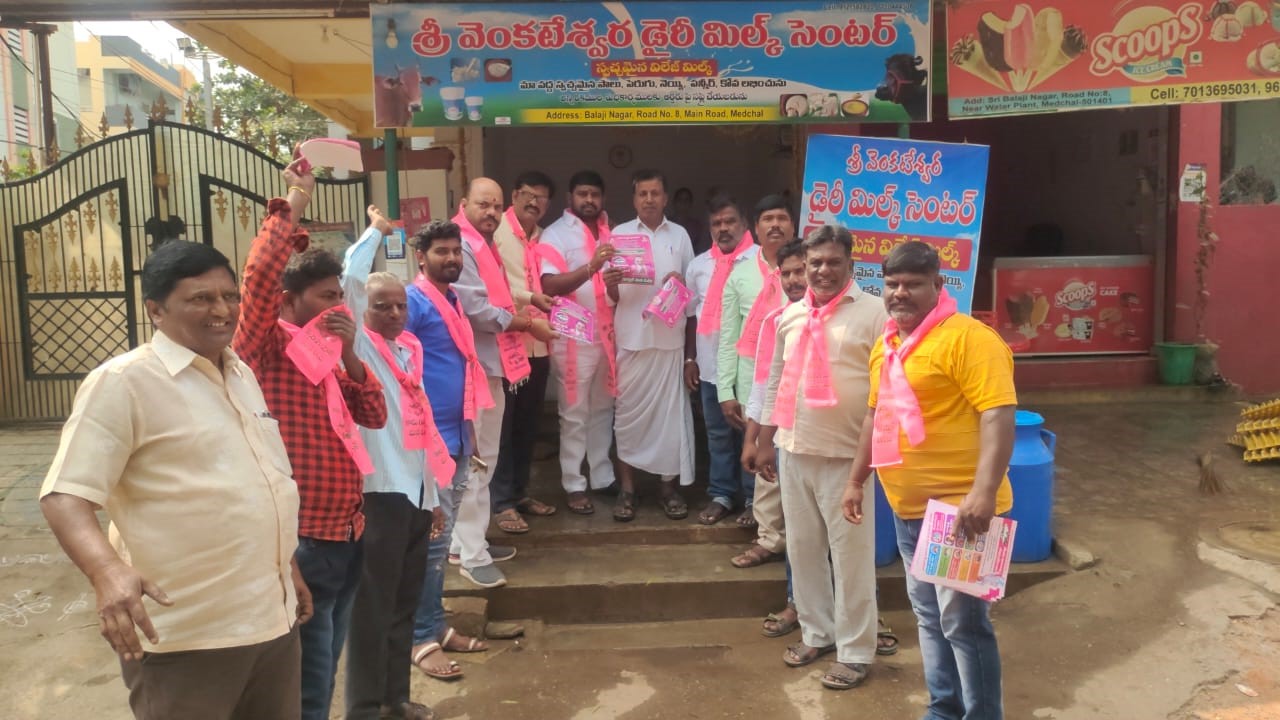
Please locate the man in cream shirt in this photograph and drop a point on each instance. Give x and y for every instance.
(817, 425)
(203, 506)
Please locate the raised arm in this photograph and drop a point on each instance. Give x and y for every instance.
(276, 241)
(357, 263)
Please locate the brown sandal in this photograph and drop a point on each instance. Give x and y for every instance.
(713, 513)
(624, 510)
(451, 670)
(754, 556)
(509, 521)
(580, 503)
(534, 507)
(747, 520)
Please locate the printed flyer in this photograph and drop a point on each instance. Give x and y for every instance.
(887, 192)
(1006, 57)
(619, 63)
(977, 567)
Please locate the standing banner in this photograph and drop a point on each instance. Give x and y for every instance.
(888, 192)
(618, 63)
(1007, 57)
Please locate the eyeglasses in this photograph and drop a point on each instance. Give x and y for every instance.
(533, 196)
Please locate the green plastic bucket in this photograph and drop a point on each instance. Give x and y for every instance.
(1176, 362)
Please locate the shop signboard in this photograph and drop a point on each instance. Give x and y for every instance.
(1075, 305)
(621, 63)
(888, 191)
(1006, 57)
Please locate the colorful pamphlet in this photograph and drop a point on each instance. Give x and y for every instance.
(633, 255)
(573, 321)
(978, 567)
(669, 304)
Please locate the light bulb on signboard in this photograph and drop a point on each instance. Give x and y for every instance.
(392, 40)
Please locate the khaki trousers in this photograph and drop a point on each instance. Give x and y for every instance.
(771, 531)
(836, 601)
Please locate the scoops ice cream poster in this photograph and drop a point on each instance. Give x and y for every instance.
(1006, 57)
(888, 192)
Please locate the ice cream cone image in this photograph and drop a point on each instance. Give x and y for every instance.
(1020, 46)
(1073, 44)
(966, 55)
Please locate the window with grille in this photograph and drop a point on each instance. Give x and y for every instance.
(21, 126)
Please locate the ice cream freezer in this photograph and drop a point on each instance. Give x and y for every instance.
(1075, 305)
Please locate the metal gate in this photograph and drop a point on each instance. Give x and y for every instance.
(74, 237)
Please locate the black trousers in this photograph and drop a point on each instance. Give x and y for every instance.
(520, 422)
(380, 641)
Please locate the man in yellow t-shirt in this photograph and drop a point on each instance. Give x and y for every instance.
(961, 374)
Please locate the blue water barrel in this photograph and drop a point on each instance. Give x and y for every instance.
(886, 536)
(1031, 474)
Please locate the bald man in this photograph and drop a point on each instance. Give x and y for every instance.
(401, 506)
(486, 299)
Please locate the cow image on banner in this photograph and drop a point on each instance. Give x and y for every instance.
(888, 192)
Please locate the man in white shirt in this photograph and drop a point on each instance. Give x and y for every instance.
(585, 376)
(401, 506)
(708, 274)
(657, 365)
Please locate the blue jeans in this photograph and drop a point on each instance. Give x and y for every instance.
(957, 643)
(727, 480)
(428, 619)
(332, 572)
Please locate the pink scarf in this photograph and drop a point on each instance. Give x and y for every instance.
(810, 359)
(515, 364)
(709, 320)
(897, 406)
(604, 316)
(768, 332)
(344, 426)
(419, 425)
(475, 395)
(765, 303)
(532, 254)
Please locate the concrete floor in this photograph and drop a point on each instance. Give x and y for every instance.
(1167, 624)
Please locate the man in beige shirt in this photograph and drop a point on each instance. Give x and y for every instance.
(203, 507)
(815, 426)
(518, 238)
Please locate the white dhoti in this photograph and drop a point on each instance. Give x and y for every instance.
(586, 425)
(653, 422)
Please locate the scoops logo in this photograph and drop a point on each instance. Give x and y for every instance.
(1076, 295)
(1148, 43)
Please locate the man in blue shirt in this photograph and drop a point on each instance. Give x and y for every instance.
(438, 249)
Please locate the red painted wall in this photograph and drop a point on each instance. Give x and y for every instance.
(1244, 275)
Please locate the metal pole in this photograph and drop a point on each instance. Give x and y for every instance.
(208, 92)
(50, 132)
(390, 147)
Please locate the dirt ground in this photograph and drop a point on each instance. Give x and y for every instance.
(1166, 624)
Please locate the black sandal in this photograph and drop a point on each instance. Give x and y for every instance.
(624, 509)
(674, 506)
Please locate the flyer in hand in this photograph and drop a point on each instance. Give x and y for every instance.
(634, 257)
(978, 567)
(573, 321)
(669, 304)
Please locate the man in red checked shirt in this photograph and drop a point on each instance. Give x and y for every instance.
(282, 292)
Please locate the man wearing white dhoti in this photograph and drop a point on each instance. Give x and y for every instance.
(657, 365)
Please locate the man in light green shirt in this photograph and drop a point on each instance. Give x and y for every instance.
(774, 227)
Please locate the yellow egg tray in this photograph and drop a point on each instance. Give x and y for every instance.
(1262, 411)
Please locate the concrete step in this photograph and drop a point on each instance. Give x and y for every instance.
(658, 583)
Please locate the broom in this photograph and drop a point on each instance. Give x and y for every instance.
(1210, 483)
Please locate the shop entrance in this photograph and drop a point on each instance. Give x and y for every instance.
(747, 161)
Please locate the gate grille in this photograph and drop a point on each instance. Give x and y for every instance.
(73, 240)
